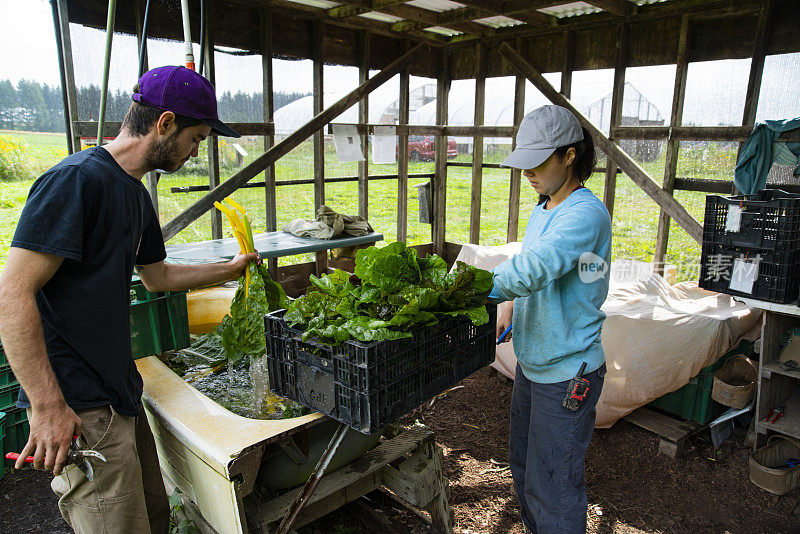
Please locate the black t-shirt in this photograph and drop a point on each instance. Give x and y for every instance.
(102, 222)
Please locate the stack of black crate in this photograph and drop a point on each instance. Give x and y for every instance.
(767, 235)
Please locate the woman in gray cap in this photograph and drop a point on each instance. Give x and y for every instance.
(557, 284)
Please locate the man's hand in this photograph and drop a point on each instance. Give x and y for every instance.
(504, 320)
(240, 262)
(163, 276)
(52, 429)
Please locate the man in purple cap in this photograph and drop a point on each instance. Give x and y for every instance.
(64, 298)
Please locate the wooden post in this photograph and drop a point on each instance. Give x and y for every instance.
(477, 149)
(757, 63)
(212, 141)
(363, 118)
(516, 174)
(319, 141)
(617, 98)
(617, 155)
(440, 161)
(62, 75)
(402, 157)
(673, 145)
(270, 191)
(152, 176)
(569, 62)
(69, 73)
(286, 145)
(756, 69)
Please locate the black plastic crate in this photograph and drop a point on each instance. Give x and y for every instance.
(778, 273)
(770, 220)
(370, 385)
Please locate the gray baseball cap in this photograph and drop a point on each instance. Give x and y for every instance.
(540, 133)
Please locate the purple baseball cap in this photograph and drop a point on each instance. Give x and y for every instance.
(182, 91)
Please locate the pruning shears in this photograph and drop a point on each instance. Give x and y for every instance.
(76, 456)
(774, 414)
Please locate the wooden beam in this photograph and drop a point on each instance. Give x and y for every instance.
(318, 90)
(111, 129)
(673, 146)
(212, 141)
(516, 174)
(757, 64)
(645, 13)
(363, 117)
(620, 8)
(402, 156)
(439, 185)
(284, 147)
(569, 62)
(477, 149)
(695, 133)
(618, 156)
(618, 96)
(268, 102)
(756, 70)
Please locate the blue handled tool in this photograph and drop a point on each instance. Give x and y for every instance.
(503, 335)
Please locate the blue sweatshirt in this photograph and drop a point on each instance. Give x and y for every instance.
(558, 283)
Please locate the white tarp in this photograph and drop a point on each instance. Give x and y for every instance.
(656, 336)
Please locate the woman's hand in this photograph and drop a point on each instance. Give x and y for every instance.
(505, 320)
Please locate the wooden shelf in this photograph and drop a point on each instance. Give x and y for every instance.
(786, 309)
(789, 424)
(772, 367)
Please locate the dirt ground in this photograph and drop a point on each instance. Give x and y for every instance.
(631, 487)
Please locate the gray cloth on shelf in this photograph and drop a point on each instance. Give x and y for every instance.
(328, 225)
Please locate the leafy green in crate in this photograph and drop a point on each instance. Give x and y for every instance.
(393, 291)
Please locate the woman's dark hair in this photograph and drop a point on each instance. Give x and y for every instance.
(585, 157)
(140, 118)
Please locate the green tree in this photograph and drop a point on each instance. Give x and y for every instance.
(8, 104)
(31, 99)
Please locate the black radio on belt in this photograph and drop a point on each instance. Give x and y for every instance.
(577, 390)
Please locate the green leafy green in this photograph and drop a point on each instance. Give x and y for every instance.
(395, 292)
(241, 332)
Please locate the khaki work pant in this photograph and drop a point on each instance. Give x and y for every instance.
(127, 494)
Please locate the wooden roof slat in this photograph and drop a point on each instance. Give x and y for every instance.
(620, 8)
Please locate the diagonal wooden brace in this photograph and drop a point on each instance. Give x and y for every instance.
(272, 155)
(670, 206)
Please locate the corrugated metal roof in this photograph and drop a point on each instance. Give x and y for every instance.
(324, 4)
(435, 5)
(499, 22)
(383, 17)
(443, 31)
(571, 10)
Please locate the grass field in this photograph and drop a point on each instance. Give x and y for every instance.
(634, 223)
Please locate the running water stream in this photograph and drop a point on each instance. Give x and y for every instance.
(241, 387)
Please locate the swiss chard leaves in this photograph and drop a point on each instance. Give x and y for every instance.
(241, 333)
(398, 291)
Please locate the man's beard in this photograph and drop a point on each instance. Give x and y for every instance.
(163, 156)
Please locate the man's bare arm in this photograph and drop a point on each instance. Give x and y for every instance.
(163, 276)
(53, 423)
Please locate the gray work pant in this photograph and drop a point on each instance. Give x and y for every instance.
(127, 494)
(547, 447)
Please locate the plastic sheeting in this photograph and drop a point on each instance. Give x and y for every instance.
(656, 336)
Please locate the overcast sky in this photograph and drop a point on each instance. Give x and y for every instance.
(715, 91)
